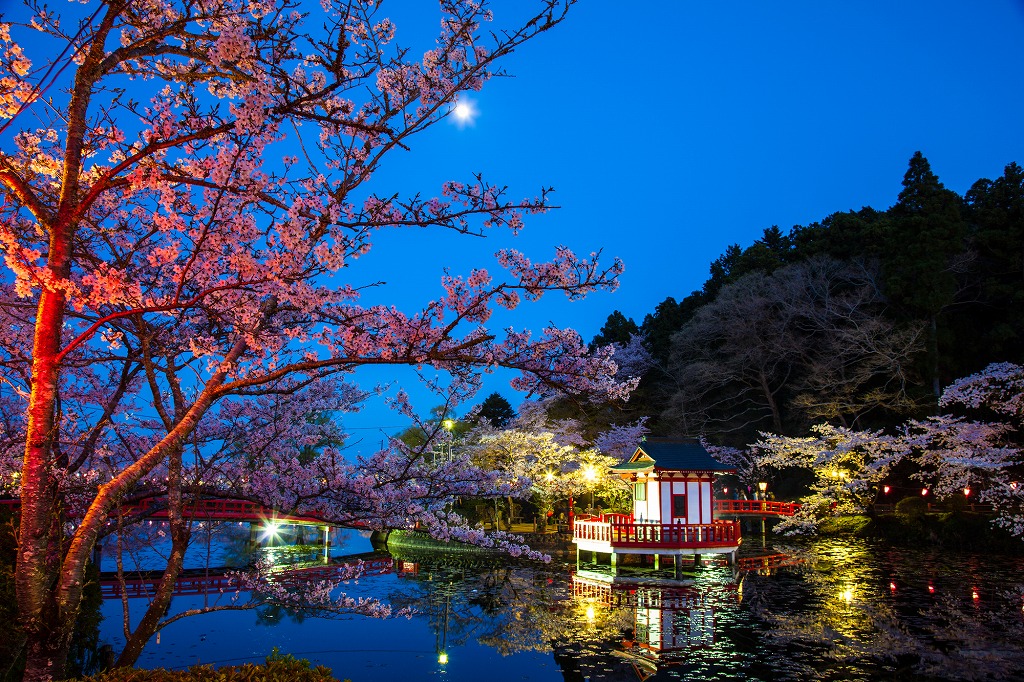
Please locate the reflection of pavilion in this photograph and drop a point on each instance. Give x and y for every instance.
(667, 619)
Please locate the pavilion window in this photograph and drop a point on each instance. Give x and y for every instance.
(679, 506)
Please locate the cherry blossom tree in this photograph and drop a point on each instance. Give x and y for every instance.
(956, 453)
(846, 465)
(552, 458)
(186, 188)
(947, 452)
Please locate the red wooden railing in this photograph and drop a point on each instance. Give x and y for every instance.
(214, 509)
(759, 507)
(628, 534)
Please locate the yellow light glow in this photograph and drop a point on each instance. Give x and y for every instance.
(589, 473)
(762, 486)
(442, 658)
(590, 613)
(549, 477)
(448, 424)
(847, 595)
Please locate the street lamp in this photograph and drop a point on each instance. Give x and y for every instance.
(762, 486)
(590, 475)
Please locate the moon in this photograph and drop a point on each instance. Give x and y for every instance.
(463, 112)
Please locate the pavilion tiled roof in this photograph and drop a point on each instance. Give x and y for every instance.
(671, 455)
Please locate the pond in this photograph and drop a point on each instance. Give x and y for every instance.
(835, 609)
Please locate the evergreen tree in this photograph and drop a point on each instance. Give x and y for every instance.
(496, 410)
(617, 329)
(919, 263)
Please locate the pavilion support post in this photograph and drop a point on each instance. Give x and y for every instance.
(614, 559)
(732, 558)
(327, 544)
(577, 557)
(657, 562)
(696, 560)
(677, 566)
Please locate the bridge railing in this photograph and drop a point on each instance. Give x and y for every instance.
(625, 533)
(763, 507)
(215, 509)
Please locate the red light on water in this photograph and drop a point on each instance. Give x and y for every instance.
(974, 594)
(892, 586)
(931, 589)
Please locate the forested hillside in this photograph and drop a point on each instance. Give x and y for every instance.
(858, 320)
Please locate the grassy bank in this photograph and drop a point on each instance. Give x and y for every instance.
(955, 530)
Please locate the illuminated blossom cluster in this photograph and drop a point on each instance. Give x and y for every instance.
(947, 453)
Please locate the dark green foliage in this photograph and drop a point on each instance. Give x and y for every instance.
(278, 668)
(765, 255)
(995, 213)
(961, 531)
(947, 268)
(911, 509)
(845, 525)
(496, 410)
(659, 326)
(617, 329)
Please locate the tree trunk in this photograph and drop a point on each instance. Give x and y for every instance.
(933, 353)
(48, 614)
(38, 550)
(180, 533)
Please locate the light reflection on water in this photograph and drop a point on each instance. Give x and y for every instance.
(841, 610)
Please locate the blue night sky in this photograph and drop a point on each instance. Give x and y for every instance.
(672, 129)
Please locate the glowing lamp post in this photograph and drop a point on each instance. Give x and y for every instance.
(590, 475)
(762, 486)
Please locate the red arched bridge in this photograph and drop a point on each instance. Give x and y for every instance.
(209, 509)
(755, 508)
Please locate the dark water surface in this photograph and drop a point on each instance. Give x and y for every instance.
(822, 610)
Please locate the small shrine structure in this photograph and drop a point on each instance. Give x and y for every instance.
(673, 508)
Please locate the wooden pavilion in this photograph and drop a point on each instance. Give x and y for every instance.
(673, 508)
